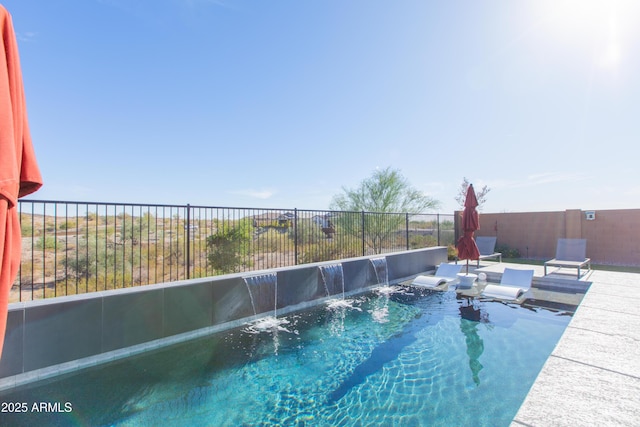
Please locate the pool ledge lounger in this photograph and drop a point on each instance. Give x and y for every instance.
(503, 292)
(446, 273)
(513, 283)
(430, 281)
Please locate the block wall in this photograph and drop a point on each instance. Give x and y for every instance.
(613, 237)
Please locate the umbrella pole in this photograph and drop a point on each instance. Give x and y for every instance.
(467, 266)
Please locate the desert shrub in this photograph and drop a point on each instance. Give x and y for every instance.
(228, 247)
(319, 252)
(46, 242)
(272, 240)
(307, 232)
(447, 237)
(66, 225)
(508, 252)
(446, 225)
(26, 228)
(329, 250)
(452, 252)
(418, 241)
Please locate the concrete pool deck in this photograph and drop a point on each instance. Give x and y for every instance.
(593, 375)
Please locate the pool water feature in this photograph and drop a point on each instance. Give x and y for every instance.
(401, 358)
(380, 269)
(263, 291)
(332, 277)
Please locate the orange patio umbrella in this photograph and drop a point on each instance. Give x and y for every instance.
(19, 173)
(467, 248)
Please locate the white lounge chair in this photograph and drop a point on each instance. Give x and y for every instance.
(570, 253)
(513, 284)
(446, 273)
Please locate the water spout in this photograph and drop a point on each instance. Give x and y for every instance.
(333, 279)
(380, 270)
(263, 292)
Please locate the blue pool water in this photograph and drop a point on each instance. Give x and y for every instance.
(387, 358)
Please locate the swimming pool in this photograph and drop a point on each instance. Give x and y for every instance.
(395, 356)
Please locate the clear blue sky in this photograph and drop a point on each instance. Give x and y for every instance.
(281, 103)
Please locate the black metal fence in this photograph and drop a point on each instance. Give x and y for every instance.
(78, 247)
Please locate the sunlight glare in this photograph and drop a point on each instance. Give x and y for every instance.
(600, 27)
(578, 17)
(610, 55)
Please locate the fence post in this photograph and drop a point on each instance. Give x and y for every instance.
(295, 236)
(188, 230)
(438, 225)
(407, 228)
(363, 251)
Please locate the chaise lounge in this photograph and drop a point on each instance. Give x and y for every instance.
(513, 284)
(446, 273)
(570, 253)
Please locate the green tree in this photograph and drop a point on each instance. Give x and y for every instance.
(229, 246)
(383, 201)
(385, 191)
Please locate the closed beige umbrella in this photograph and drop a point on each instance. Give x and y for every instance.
(19, 173)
